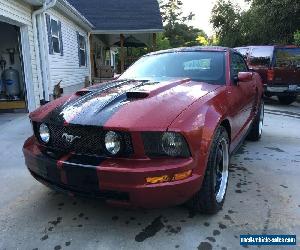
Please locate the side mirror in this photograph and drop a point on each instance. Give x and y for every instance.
(243, 77)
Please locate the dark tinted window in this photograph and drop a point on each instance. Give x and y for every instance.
(287, 57)
(55, 36)
(237, 65)
(261, 56)
(206, 66)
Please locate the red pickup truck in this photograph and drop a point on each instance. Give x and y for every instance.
(279, 68)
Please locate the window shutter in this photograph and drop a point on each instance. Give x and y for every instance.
(48, 23)
(78, 44)
(60, 39)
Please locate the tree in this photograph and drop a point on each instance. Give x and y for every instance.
(177, 30)
(226, 22)
(265, 22)
(279, 19)
(162, 42)
(297, 38)
(171, 11)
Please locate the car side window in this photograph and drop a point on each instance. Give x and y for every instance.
(237, 65)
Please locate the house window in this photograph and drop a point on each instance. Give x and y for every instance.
(81, 50)
(55, 36)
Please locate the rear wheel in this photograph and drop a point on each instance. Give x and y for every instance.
(257, 125)
(287, 100)
(211, 196)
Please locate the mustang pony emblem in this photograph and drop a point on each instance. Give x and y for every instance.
(70, 138)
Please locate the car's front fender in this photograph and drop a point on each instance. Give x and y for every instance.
(198, 125)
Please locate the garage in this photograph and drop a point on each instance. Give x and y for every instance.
(20, 88)
(12, 84)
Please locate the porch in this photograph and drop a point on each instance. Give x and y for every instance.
(111, 54)
(122, 32)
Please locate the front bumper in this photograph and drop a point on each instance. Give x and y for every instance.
(282, 90)
(118, 181)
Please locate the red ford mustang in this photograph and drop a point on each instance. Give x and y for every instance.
(160, 135)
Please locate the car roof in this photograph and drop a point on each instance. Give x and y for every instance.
(267, 46)
(190, 49)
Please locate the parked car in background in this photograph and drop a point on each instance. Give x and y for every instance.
(279, 68)
(159, 135)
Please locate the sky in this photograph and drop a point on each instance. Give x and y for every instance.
(202, 10)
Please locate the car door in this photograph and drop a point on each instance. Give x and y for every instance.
(242, 92)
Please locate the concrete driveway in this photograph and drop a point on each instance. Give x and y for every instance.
(263, 197)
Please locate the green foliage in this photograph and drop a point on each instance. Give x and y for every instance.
(266, 22)
(162, 42)
(177, 30)
(225, 20)
(297, 38)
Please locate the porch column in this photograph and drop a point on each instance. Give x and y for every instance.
(122, 56)
(154, 42)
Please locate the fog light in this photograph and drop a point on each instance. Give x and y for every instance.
(182, 175)
(44, 133)
(112, 142)
(158, 179)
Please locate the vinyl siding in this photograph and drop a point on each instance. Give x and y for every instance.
(66, 68)
(19, 13)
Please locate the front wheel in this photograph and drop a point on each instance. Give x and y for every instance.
(287, 100)
(211, 196)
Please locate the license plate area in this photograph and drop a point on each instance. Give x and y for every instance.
(293, 87)
(82, 178)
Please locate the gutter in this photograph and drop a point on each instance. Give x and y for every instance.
(39, 49)
(117, 32)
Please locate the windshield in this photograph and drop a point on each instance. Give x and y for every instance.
(244, 52)
(204, 66)
(261, 56)
(287, 57)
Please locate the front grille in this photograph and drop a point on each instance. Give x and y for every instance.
(89, 141)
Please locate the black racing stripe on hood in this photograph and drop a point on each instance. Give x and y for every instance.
(55, 115)
(96, 106)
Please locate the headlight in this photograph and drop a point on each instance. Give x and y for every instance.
(165, 144)
(112, 142)
(44, 133)
(172, 143)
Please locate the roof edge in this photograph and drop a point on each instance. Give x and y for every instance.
(115, 32)
(65, 6)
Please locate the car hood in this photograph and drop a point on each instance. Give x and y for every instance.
(125, 104)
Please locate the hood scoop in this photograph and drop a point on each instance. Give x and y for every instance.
(137, 95)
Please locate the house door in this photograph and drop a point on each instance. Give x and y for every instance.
(12, 81)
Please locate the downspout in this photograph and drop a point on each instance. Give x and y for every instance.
(40, 49)
(89, 55)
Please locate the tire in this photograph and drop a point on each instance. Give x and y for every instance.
(287, 100)
(210, 198)
(257, 125)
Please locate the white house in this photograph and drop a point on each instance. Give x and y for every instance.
(46, 42)
(50, 44)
